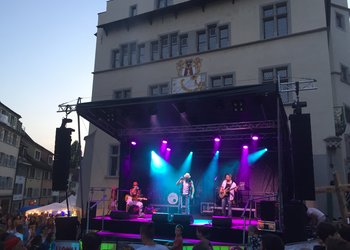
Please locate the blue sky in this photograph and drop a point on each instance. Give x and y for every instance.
(47, 55)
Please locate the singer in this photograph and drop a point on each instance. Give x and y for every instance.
(186, 192)
(134, 198)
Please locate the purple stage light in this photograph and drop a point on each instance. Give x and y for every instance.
(245, 146)
(255, 138)
(133, 143)
(168, 149)
(164, 141)
(216, 139)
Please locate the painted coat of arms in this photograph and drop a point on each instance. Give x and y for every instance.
(189, 78)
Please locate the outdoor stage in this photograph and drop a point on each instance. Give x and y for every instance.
(127, 230)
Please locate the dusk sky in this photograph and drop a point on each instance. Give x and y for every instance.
(47, 55)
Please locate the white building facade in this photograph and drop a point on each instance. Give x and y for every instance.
(10, 136)
(142, 47)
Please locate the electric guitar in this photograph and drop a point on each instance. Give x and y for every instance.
(130, 198)
(224, 192)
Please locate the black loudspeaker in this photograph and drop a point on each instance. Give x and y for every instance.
(268, 210)
(295, 221)
(221, 221)
(60, 170)
(304, 184)
(183, 219)
(160, 217)
(66, 228)
(118, 214)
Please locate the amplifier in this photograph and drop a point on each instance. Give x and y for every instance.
(264, 225)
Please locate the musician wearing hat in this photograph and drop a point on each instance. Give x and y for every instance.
(186, 192)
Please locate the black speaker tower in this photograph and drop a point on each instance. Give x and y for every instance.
(303, 169)
(61, 164)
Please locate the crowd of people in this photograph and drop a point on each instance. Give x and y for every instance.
(38, 232)
(21, 232)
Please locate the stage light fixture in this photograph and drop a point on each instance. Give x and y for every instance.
(133, 143)
(245, 146)
(164, 141)
(255, 137)
(168, 149)
(217, 139)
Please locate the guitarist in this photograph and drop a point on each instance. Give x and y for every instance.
(227, 194)
(133, 199)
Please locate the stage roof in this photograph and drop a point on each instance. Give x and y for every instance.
(232, 113)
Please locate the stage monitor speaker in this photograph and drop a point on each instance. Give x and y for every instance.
(61, 163)
(160, 218)
(304, 184)
(183, 219)
(221, 221)
(66, 228)
(119, 214)
(268, 210)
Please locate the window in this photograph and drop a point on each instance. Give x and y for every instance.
(271, 75)
(183, 44)
(12, 161)
(36, 192)
(6, 183)
(50, 160)
(347, 113)
(201, 41)
(154, 51)
(43, 193)
(340, 21)
(14, 140)
(275, 20)
(133, 10)
(38, 174)
(159, 89)
(124, 55)
(344, 74)
(164, 43)
(212, 37)
(122, 94)
(133, 54)
(29, 192)
(223, 36)
(162, 3)
(116, 58)
(222, 81)
(174, 45)
(31, 173)
(114, 160)
(141, 53)
(37, 155)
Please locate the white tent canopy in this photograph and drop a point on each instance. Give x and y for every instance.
(55, 208)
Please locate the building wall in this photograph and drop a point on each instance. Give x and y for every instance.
(10, 136)
(305, 50)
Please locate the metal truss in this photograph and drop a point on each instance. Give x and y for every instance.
(218, 127)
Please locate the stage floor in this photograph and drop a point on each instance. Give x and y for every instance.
(127, 229)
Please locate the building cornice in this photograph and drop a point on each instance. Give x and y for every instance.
(149, 16)
(340, 7)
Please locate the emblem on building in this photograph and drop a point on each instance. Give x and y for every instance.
(189, 78)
